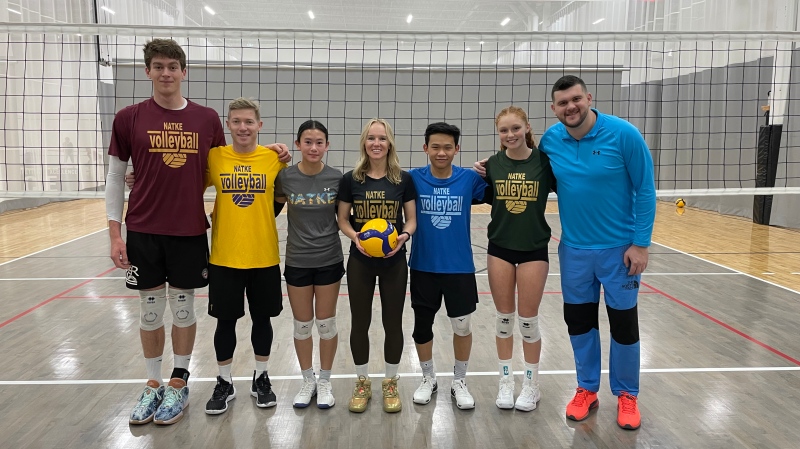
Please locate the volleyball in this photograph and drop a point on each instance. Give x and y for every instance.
(378, 237)
(680, 202)
(174, 160)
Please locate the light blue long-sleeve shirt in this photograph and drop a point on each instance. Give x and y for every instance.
(606, 191)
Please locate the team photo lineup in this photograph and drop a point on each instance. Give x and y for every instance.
(409, 234)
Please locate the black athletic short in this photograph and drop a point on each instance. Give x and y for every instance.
(515, 257)
(156, 259)
(227, 288)
(303, 277)
(460, 292)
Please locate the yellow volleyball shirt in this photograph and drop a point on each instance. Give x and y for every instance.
(243, 232)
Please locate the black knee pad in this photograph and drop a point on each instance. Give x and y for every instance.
(624, 325)
(581, 318)
(225, 339)
(423, 325)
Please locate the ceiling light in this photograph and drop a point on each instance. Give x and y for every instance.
(14, 11)
(108, 10)
(505, 21)
(467, 48)
(481, 42)
(598, 21)
(310, 13)
(209, 10)
(409, 18)
(78, 34)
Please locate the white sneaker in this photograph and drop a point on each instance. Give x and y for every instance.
(307, 391)
(425, 390)
(528, 397)
(324, 394)
(459, 391)
(505, 397)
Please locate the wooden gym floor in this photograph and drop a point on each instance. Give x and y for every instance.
(719, 310)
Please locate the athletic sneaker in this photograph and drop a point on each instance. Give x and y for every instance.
(528, 397)
(171, 409)
(223, 392)
(505, 395)
(582, 403)
(362, 393)
(459, 391)
(261, 389)
(425, 390)
(628, 416)
(391, 397)
(325, 397)
(307, 391)
(147, 404)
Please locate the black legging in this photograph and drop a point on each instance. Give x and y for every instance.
(361, 287)
(225, 338)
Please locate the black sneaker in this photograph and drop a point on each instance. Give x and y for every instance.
(262, 391)
(223, 393)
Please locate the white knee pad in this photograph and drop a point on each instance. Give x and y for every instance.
(181, 303)
(529, 328)
(327, 328)
(152, 305)
(462, 325)
(302, 329)
(505, 325)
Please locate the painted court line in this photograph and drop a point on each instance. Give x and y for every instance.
(757, 369)
(52, 247)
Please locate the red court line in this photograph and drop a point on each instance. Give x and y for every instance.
(725, 325)
(49, 300)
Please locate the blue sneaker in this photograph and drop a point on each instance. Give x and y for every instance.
(171, 409)
(147, 404)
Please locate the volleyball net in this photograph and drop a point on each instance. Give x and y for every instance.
(702, 100)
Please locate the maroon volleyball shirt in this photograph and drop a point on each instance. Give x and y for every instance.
(169, 150)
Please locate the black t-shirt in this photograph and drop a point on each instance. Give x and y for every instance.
(377, 198)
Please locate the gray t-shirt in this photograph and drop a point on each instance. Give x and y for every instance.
(313, 239)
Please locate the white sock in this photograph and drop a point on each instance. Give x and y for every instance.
(261, 367)
(225, 372)
(505, 369)
(427, 368)
(362, 370)
(391, 370)
(325, 374)
(531, 374)
(460, 370)
(154, 369)
(182, 361)
(309, 374)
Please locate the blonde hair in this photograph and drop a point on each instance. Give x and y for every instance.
(244, 103)
(519, 112)
(393, 170)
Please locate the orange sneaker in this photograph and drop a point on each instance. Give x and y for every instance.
(584, 401)
(628, 416)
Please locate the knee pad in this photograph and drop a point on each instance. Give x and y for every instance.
(581, 318)
(181, 302)
(302, 329)
(327, 328)
(529, 328)
(152, 305)
(423, 325)
(624, 325)
(505, 325)
(462, 325)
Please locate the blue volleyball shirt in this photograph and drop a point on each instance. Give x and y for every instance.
(442, 242)
(606, 190)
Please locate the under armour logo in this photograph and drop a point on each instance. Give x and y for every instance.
(595, 152)
(326, 189)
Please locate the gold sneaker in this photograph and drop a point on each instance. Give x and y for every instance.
(361, 395)
(391, 398)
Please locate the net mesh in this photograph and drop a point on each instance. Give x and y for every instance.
(699, 99)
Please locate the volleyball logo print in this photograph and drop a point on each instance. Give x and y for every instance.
(441, 221)
(441, 206)
(517, 192)
(174, 144)
(243, 199)
(243, 185)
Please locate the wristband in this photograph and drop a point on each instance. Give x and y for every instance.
(406, 233)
